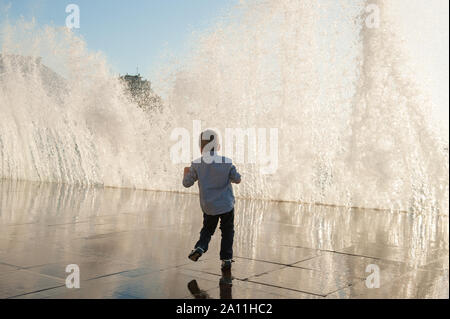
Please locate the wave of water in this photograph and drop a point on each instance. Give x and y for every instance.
(353, 120)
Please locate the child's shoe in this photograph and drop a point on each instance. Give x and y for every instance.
(226, 264)
(196, 254)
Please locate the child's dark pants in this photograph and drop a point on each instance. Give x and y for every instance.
(227, 228)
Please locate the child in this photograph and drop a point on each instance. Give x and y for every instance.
(215, 174)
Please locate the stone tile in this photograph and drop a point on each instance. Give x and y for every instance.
(370, 250)
(354, 266)
(417, 284)
(157, 285)
(438, 290)
(88, 269)
(101, 288)
(14, 245)
(422, 278)
(134, 244)
(137, 272)
(173, 288)
(6, 268)
(51, 293)
(411, 256)
(305, 280)
(33, 258)
(441, 263)
(135, 248)
(241, 269)
(275, 254)
(354, 291)
(21, 282)
(244, 287)
(232, 292)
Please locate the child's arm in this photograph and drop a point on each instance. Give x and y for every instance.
(235, 177)
(190, 176)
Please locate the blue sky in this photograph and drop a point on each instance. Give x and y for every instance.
(130, 33)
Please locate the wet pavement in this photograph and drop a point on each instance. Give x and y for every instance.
(134, 244)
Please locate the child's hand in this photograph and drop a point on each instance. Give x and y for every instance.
(186, 170)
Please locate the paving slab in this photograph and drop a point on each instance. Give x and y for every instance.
(34, 257)
(417, 284)
(156, 285)
(355, 266)
(305, 280)
(21, 282)
(134, 244)
(242, 268)
(89, 269)
(416, 255)
(7, 268)
(275, 254)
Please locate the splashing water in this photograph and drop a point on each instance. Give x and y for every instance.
(352, 118)
(78, 129)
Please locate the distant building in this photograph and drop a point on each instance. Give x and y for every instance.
(140, 92)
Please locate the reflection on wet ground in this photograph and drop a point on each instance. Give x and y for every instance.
(134, 244)
(225, 287)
